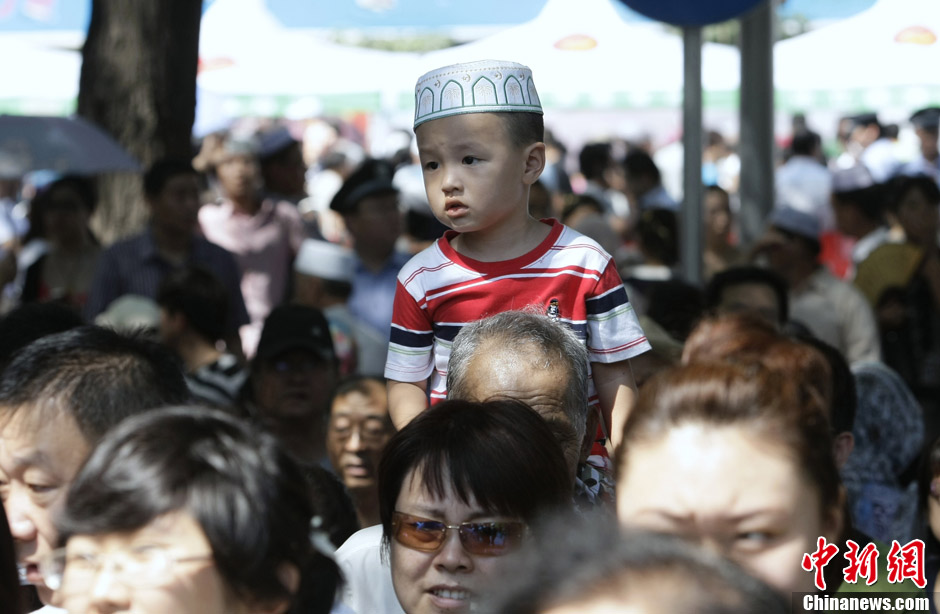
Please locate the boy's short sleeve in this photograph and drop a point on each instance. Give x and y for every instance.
(410, 349)
(613, 330)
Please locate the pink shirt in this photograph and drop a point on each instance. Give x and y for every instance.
(264, 244)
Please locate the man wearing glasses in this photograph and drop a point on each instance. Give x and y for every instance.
(57, 399)
(358, 430)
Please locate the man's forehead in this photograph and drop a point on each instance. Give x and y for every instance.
(36, 432)
(520, 361)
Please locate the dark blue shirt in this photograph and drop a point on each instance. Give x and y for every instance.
(134, 266)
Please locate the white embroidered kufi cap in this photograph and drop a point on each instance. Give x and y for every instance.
(325, 260)
(487, 86)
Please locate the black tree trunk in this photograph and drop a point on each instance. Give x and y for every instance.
(138, 82)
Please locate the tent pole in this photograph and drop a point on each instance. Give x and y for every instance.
(756, 143)
(691, 220)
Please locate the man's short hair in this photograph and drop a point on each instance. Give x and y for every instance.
(523, 129)
(804, 143)
(594, 159)
(356, 383)
(869, 201)
(638, 163)
(657, 230)
(905, 183)
(199, 295)
(735, 276)
(97, 374)
(164, 169)
(518, 331)
(32, 321)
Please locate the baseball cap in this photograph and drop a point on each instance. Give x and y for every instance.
(795, 222)
(274, 141)
(295, 327)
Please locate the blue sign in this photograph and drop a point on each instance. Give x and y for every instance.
(692, 12)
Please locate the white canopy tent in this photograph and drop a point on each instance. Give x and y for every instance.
(253, 65)
(38, 79)
(585, 55)
(884, 58)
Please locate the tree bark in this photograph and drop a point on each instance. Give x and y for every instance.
(138, 82)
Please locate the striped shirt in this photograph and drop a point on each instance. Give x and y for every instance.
(218, 383)
(439, 291)
(134, 266)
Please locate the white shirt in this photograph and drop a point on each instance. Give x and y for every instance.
(837, 313)
(368, 588)
(867, 244)
(805, 185)
(881, 159)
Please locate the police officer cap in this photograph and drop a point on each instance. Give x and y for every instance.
(864, 119)
(371, 178)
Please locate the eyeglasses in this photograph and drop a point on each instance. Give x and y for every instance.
(138, 568)
(479, 538)
(370, 432)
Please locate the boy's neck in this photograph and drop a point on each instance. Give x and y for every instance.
(196, 352)
(503, 243)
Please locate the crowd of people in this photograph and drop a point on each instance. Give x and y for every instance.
(466, 376)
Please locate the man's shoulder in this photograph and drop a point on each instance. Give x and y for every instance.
(127, 254)
(841, 292)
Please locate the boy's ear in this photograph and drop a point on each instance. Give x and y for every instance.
(534, 163)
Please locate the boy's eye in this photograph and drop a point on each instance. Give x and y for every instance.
(430, 166)
(469, 159)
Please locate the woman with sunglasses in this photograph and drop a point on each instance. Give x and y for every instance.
(189, 510)
(458, 488)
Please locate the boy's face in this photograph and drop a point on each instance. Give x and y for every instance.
(475, 178)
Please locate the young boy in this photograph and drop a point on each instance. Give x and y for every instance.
(479, 130)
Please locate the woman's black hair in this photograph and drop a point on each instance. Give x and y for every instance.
(248, 496)
(502, 453)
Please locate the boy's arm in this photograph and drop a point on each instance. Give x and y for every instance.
(617, 393)
(406, 400)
